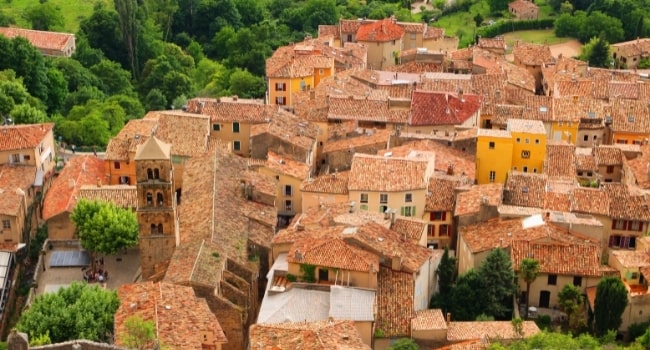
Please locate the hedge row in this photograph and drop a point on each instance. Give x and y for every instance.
(505, 26)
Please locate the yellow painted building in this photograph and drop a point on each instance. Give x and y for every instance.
(295, 68)
(529, 145)
(494, 150)
(290, 175)
(566, 131)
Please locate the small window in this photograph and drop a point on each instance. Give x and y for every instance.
(431, 230)
(6, 224)
(589, 173)
(288, 205)
(610, 169)
(216, 127)
(408, 198)
(236, 145)
(363, 198)
(280, 100)
(288, 190)
(437, 216)
(585, 138)
(383, 198)
(535, 170)
(159, 199)
(116, 165)
(235, 127)
(444, 230)
(577, 281)
(518, 140)
(149, 173)
(493, 176)
(537, 141)
(321, 71)
(552, 280)
(160, 229)
(527, 140)
(579, 173)
(149, 198)
(156, 173)
(407, 211)
(491, 144)
(525, 154)
(383, 208)
(525, 169)
(26, 157)
(154, 229)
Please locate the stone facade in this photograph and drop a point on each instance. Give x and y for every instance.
(156, 214)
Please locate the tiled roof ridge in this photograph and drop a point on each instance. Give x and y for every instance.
(196, 261)
(76, 181)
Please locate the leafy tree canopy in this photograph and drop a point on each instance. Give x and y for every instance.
(79, 311)
(611, 300)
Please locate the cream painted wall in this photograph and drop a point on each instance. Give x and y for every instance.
(396, 200)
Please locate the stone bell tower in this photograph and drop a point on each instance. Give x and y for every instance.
(157, 218)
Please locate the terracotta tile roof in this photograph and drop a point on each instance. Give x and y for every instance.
(292, 234)
(504, 112)
(133, 134)
(380, 31)
(502, 233)
(364, 109)
(633, 47)
(433, 32)
(376, 173)
(428, 320)
(262, 183)
(532, 54)
(631, 259)
(180, 318)
(585, 160)
(623, 89)
(539, 108)
(432, 81)
(560, 201)
(469, 202)
(336, 183)
(212, 186)
(463, 163)
(13, 178)
(298, 66)
(327, 30)
(640, 167)
(559, 258)
(332, 253)
(40, 39)
(121, 195)
(199, 262)
(395, 309)
(368, 138)
(461, 331)
(525, 189)
(590, 200)
(522, 5)
(411, 228)
(442, 108)
(389, 244)
(560, 159)
(415, 67)
(441, 195)
(63, 194)
(289, 128)
(630, 116)
(519, 77)
(572, 109)
(319, 335)
(287, 166)
(222, 110)
(413, 27)
(608, 155)
(526, 126)
(492, 43)
(186, 132)
(574, 87)
(331, 214)
(23, 136)
(624, 203)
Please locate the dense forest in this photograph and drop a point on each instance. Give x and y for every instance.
(140, 55)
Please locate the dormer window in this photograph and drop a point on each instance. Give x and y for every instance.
(630, 119)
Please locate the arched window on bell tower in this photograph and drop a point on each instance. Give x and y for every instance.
(149, 173)
(149, 198)
(160, 229)
(153, 229)
(159, 199)
(156, 173)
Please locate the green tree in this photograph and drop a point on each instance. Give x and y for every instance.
(79, 311)
(155, 100)
(468, 297)
(498, 281)
(528, 271)
(404, 344)
(611, 300)
(127, 11)
(568, 25)
(498, 5)
(138, 333)
(103, 227)
(113, 79)
(571, 302)
(57, 88)
(550, 340)
(102, 31)
(26, 114)
(597, 53)
(44, 16)
(28, 63)
(245, 84)
(566, 7)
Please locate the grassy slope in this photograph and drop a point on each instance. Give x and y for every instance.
(73, 11)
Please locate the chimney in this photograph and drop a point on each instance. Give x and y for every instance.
(460, 95)
(448, 317)
(71, 183)
(99, 181)
(397, 262)
(235, 97)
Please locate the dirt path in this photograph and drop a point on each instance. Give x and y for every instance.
(570, 48)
